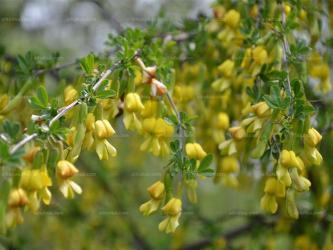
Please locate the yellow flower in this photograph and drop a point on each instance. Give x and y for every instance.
(226, 68)
(103, 129)
(227, 170)
(195, 151)
(17, 198)
(158, 132)
(133, 103)
(287, 9)
(173, 207)
(312, 156)
(183, 93)
(237, 133)
(273, 189)
(90, 127)
(222, 121)
(232, 18)
(149, 207)
(288, 159)
(65, 171)
(150, 109)
(169, 224)
(90, 122)
(70, 94)
(312, 137)
(156, 191)
(31, 179)
(259, 55)
(173, 211)
(261, 109)
(229, 165)
(104, 149)
(300, 182)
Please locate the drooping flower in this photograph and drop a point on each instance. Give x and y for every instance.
(65, 170)
(173, 211)
(156, 192)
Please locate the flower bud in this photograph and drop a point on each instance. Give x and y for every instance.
(156, 191)
(17, 198)
(237, 133)
(195, 151)
(103, 129)
(312, 138)
(173, 207)
(66, 170)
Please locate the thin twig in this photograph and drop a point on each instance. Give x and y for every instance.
(232, 234)
(57, 68)
(285, 53)
(23, 142)
(179, 118)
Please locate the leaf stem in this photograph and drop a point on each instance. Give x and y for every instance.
(285, 53)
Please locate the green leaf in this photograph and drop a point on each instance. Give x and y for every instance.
(105, 94)
(35, 103)
(12, 129)
(205, 163)
(87, 64)
(42, 96)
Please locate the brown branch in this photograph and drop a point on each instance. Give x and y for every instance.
(232, 234)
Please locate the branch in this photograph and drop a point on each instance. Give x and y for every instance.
(109, 17)
(62, 111)
(23, 142)
(179, 118)
(232, 234)
(285, 53)
(57, 68)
